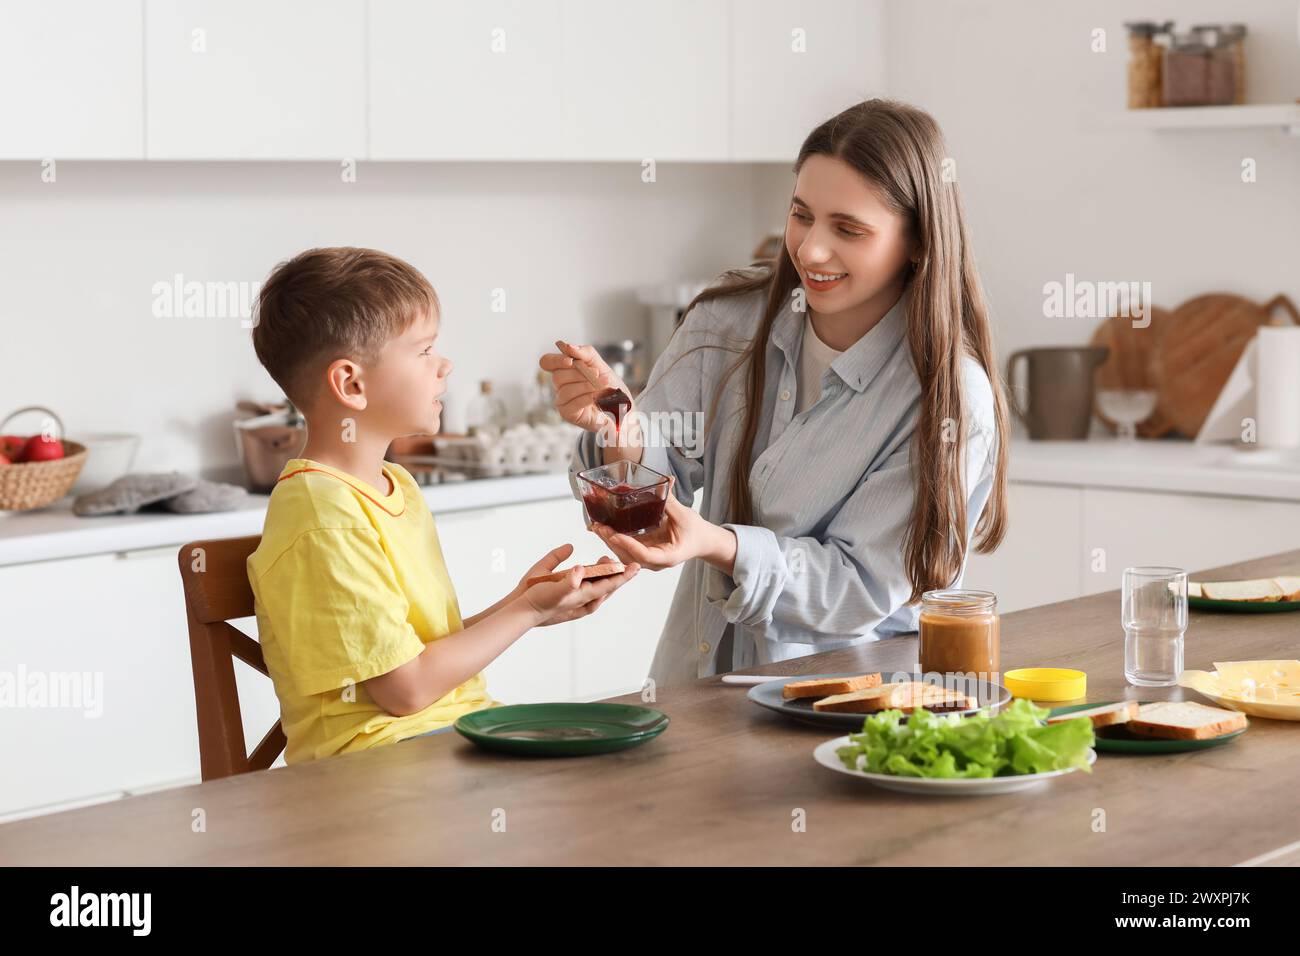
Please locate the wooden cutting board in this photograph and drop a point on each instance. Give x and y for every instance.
(1129, 364)
(1197, 353)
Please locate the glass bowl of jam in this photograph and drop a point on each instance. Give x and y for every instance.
(626, 495)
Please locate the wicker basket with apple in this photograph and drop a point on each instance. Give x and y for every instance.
(37, 470)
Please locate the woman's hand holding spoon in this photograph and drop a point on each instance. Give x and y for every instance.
(588, 394)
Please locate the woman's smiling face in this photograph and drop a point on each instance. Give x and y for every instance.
(848, 245)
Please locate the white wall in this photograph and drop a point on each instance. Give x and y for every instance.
(568, 242)
(1050, 190)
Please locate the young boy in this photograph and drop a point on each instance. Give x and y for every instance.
(356, 614)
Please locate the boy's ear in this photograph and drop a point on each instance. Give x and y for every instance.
(345, 384)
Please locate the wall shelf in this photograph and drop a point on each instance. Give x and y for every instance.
(1281, 116)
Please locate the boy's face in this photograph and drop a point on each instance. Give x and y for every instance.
(409, 379)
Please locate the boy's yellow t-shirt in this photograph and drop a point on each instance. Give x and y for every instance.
(349, 584)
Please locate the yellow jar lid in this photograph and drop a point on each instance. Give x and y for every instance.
(1046, 683)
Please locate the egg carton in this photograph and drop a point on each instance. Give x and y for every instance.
(518, 450)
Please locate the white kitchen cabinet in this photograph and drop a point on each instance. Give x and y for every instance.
(1065, 541)
(1038, 560)
(1134, 528)
(648, 81)
(71, 71)
(466, 80)
(576, 80)
(118, 619)
(584, 80)
(487, 551)
(239, 79)
(613, 648)
(780, 94)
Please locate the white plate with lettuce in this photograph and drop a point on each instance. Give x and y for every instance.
(962, 756)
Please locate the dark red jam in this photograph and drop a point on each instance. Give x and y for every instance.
(625, 509)
(614, 402)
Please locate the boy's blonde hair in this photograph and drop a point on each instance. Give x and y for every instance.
(325, 304)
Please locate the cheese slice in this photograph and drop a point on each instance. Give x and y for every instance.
(1277, 681)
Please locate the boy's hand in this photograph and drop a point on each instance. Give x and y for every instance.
(570, 598)
(553, 559)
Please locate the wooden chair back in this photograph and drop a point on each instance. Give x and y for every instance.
(215, 578)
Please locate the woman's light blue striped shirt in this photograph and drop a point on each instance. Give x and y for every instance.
(823, 566)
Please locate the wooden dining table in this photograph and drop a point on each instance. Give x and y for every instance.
(730, 783)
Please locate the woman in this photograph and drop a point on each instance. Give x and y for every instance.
(851, 414)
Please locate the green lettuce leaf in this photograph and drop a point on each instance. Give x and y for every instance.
(1016, 741)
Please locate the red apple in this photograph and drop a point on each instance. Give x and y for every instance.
(11, 446)
(40, 448)
(4, 460)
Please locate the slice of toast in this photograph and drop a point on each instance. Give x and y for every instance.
(1194, 589)
(1104, 715)
(589, 571)
(1290, 587)
(1258, 589)
(909, 697)
(1185, 720)
(855, 702)
(905, 696)
(828, 686)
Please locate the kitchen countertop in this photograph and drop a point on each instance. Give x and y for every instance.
(55, 532)
(1170, 465)
(720, 785)
(1163, 465)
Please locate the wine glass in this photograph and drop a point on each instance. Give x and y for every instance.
(1127, 407)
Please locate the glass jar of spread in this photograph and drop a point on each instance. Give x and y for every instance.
(1145, 58)
(959, 633)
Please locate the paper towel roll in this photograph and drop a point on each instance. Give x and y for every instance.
(1277, 390)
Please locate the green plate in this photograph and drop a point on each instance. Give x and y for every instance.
(561, 730)
(1246, 607)
(1118, 740)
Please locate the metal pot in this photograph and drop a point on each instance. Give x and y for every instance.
(267, 442)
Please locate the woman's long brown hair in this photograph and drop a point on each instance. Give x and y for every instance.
(900, 151)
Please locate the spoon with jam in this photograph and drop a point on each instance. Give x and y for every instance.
(614, 402)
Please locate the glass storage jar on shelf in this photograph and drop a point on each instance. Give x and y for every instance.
(1227, 43)
(1145, 58)
(1199, 70)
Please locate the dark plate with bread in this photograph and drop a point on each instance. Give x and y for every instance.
(1156, 727)
(845, 700)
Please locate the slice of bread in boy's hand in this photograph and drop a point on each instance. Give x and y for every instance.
(1103, 715)
(1261, 589)
(589, 571)
(828, 686)
(1185, 720)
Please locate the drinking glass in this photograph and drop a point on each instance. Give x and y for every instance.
(1154, 615)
